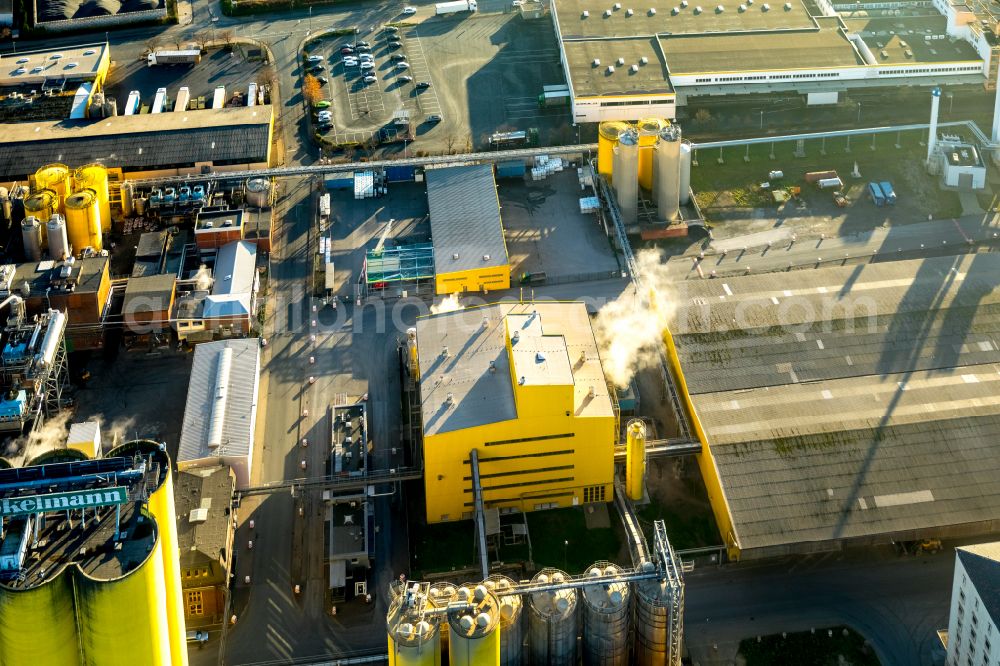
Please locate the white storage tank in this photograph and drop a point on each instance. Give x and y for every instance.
(58, 243)
(685, 197)
(552, 620)
(667, 166)
(605, 618)
(511, 620)
(258, 192)
(31, 235)
(625, 175)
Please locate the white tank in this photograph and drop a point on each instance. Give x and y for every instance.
(128, 192)
(652, 621)
(625, 175)
(685, 197)
(31, 235)
(605, 618)
(53, 338)
(511, 620)
(258, 192)
(4, 205)
(552, 619)
(667, 167)
(58, 243)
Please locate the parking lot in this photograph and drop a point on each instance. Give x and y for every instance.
(218, 67)
(470, 61)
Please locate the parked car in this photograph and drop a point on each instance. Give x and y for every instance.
(398, 56)
(325, 119)
(350, 62)
(434, 118)
(366, 56)
(322, 80)
(402, 65)
(423, 84)
(409, 11)
(322, 104)
(315, 58)
(405, 79)
(390, 28)
(316, 69)
(370, 79)
(346, 50)
(361, 44)
(395, 45)
(366, 65)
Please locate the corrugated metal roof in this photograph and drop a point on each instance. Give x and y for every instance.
(465, 218)
(240, 406)
(850, 401)
(235, 269)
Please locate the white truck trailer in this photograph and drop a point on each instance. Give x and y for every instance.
(456, 6)
(183, 97)
(159, 100)
(185, 57)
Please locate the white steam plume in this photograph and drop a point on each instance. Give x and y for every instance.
(448, 304)
(203, 278)
(50, 436)
(629, 329)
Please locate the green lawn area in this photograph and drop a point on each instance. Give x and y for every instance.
(443, 547)
(807, 649)
(736, 182)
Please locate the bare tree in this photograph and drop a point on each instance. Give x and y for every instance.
(703, 116)
(268, 76)
(450, 143)
(152, 44)
(202, 38)
(227, 37)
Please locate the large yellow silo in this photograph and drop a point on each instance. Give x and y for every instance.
(125, 619)
(37, 625)
(414, 638)
(474, 635)
(607, 139)
(161, 506)
(95, 177)
(41, 205)
(83, 220)
(635, 459)
(649, 129)
(55, 177)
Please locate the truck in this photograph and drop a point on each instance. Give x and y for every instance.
(875, 192)
(132, 105)
(219, 97)
(185, 57)
(183, 97)
(453, 7)
(519, 139)
(159, 100)
(888, 192)
(553, 98)
(252, 95)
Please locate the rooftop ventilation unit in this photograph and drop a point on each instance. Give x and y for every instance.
(643, 60)
(585, 13)
(539, 357)
(684, 4)
(719, 9)
(628, 12)
(675, 11)
(788, 6)
(618, 6)
(908, 53)
(611, 69)
(765, 7)
(698, 10)
(597, 62)
(621, 61)
(652, 11)
(742, 8)
(634, 68)
(607, 13)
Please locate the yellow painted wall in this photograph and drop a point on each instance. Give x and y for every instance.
(482, 651)
(492, 278)
(706, 462)
(161, 505)
(38, 626)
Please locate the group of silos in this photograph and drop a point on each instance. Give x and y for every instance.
(648, 154)
(561, 624)
(67, 211)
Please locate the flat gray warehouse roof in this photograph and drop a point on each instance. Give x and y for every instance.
(240, 135)
(850, 403)
(465, 218)
(595, 80)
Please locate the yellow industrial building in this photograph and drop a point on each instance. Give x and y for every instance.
(90, 574)
(470, 253)
(523, 384)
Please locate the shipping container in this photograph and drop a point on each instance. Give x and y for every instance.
(159, 100)
(252, 95)
(219, 97)
(875, 192)
(512, 169)
(132, 105)
(185, 57)
(340, 181)
(400, 174)
(553, 99)
(183, 97)
(888, 192)
(814, 176)
(827, 183)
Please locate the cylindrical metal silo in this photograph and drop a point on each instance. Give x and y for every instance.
(441, 594)
(474, 635)
(685, 178)
(58, 244)
(95, 177)
(31, 236)
(38, 624)
(649, 130)
(511, 620)
(626, 175)
(258, 192)
(41, 205)
(652, 621)
(552, 623)
(668, 173)
(140, 205)
(605, 619)
(128, 192)
(4, 205)
(607, 138)
(161, 506)
(55, 177)
(133, 605)
(83, 220)
(414, 638)
(55, 456)
(635, 460)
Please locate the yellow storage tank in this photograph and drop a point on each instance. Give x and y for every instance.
(161, 506)
(649, 130)
(41, 205)
(635, 459)
(474, 635)
(38, 624)
(125, 619)
(414, 638)
(607, 139)
(95, 177)
(54, 177)
(83, 220)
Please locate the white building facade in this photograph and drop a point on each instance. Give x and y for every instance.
(973, 637)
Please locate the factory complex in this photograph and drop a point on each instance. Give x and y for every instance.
(627, 63)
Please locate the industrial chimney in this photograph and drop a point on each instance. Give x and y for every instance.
(932, 133)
